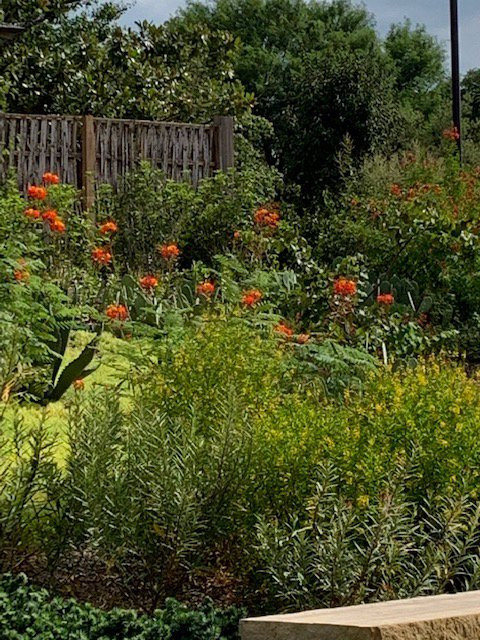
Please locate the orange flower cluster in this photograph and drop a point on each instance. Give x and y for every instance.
(344, 287)
(117, 312)
(79, 384)
(169, 251)
(148, 282)
(237, 235)
(108, 227)
(50, 178)
(37, 193)
(266, 218)
(284, 330)
(21, 275)
(385, 298)
(396, 190)
(57, 226)
(102, 255)
(251, 297)
(206, 288)
(33, 214)
(50, 216)
(303, 338)
(451, 134)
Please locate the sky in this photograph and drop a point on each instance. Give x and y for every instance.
(433, 13)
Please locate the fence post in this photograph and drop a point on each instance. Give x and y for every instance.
(88, 164)
(225, 148)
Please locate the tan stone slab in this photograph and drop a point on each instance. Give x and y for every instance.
(447, 617)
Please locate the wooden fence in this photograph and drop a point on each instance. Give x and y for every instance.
(87, 151)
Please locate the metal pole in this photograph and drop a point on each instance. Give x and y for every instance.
(456, 93)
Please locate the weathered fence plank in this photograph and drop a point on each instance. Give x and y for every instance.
(88, 161)
(87, 151)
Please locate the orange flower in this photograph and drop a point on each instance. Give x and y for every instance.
(33, 214)
(412, 193)
(303, 338)
(148, 282)
(237, 235)
(260, 215)
(50, 215)
(251, 297)
(282, 329)
(169, 251)
(451, 134)
(266, 218)
(79, 384)
(385, 298)
(396, 190)
(21, 275)
(57, 226)
(108, 227)
(101, 255)
(206, 288)
(50, 178)
(117, 312)
(37, 193)
(344, 287)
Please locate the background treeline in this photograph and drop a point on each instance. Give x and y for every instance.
(319, 72)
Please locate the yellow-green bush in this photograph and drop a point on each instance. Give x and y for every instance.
(427, 417)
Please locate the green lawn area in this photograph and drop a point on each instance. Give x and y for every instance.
(112, 366)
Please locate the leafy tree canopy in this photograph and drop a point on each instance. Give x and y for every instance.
(418, 58)
(319, 73)
(30, 12)
(471, 91)
(87, 63)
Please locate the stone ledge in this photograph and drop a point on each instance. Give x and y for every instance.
(446, 617)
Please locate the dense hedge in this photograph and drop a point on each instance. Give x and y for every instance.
(27, 612)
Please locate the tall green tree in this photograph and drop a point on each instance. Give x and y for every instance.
(471, 92)
(418, 61)
(319, 73)
(417, 56)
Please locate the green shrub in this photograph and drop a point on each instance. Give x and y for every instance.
(31, 491)
(152, 210)
(340, 552)
(428, 414)
(28, 612)
(411, 223)
(179, 463)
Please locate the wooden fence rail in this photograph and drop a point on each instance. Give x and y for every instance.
(87, 151)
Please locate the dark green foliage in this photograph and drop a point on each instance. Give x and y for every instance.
(319, 72)
(418, 59)
(471, 91)
(29, 12)
(87, 63)
(345, 95)
(28, 613)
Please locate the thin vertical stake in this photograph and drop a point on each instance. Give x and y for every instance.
(456, 93)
